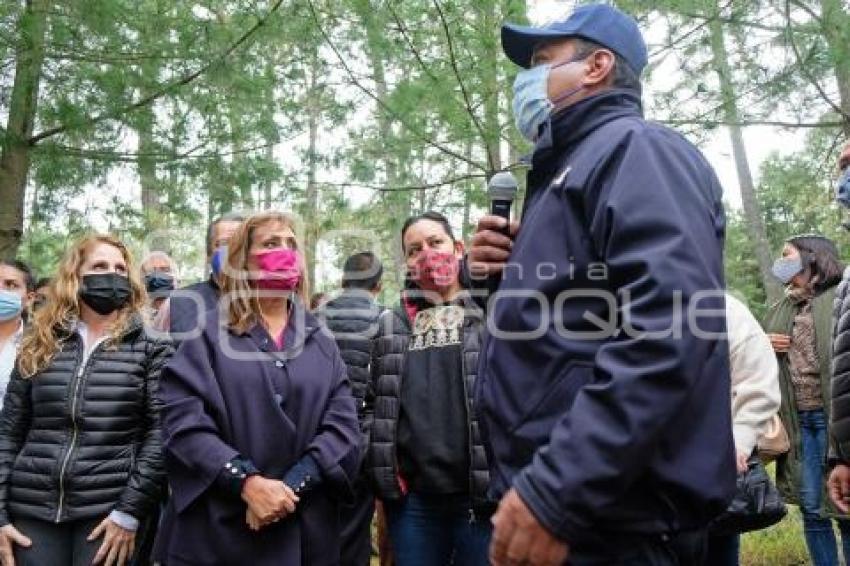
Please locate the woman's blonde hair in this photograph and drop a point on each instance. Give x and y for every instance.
(61, 313)
(243, 305)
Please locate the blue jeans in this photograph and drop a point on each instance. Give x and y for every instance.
(435, 531)
(820, 537)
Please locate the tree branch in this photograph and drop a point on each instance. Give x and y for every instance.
(789, 32)
(420, 187)
(382, 104)
(416, 55)
(180, 82)
(466, 99)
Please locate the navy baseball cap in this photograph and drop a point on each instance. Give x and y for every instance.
(599, 23)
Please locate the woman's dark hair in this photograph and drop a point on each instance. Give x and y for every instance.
(821, 256)
(29, 277)
(430, 215)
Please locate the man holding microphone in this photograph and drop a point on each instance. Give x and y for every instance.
(604, 383)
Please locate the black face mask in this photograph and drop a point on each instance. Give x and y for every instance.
(158, 284)
(105, 293)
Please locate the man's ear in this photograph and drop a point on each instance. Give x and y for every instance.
(599, 68)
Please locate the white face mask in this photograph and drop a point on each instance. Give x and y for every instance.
(531, 104)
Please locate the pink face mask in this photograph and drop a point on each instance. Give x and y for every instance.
(435, 270)
(280, 269)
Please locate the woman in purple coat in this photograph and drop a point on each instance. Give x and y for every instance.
(259, 424)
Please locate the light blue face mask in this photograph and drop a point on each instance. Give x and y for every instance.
(785, 268)
(531, 104)
(842, 188)
(10, 305)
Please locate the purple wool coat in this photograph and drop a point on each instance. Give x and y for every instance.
(225, 395)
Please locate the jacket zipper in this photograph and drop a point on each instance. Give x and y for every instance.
(468, 406)
(79, 378)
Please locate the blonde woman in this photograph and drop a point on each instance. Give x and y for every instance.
(259, 424)
(80, 457)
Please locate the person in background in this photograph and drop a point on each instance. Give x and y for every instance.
(80, 458)
(187, 308)
(42, 293)
(800, 330)
(605, 413)
(317, 300)
(426, 458)
(352, 317)
(17, 288)
(839, 479)
(259, 425)
(159, 274)
(755, 400)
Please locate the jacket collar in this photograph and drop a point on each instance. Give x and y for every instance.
(134, 325)
(300, 326)
(569, 126)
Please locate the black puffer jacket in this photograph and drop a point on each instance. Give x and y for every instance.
(388, 355)
(352, 317)
(77, 441)
(840, 413)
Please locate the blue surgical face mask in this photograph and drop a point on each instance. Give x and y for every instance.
(842, 188)
(531, 104)
(159, 283)
(10, 305)
(218, 259)
(785, 268)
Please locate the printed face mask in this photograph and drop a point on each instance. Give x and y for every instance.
(435, 270)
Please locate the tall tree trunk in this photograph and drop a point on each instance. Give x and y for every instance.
(15, 153)
(146, 164)
(836, 28)
(237, 161)
(398, 203)
(267, 185)
(492, 91)
(752, 207)
(311, 195)
(466, 227)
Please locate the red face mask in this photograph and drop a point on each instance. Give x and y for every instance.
(280, 269)
(435, 270)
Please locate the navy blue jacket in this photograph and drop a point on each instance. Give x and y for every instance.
(188, 306)
(599, 429)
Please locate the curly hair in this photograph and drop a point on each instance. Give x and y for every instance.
(57, 319)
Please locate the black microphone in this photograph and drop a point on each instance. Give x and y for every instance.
(502, 190)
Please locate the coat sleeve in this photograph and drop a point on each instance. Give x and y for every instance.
(654, 216)
(194, 448)
(15, 422)
(145, 488)
(840, 370)
(336, 448)
(755, 381)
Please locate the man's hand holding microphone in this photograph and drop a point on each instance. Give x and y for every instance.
(493, 239)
